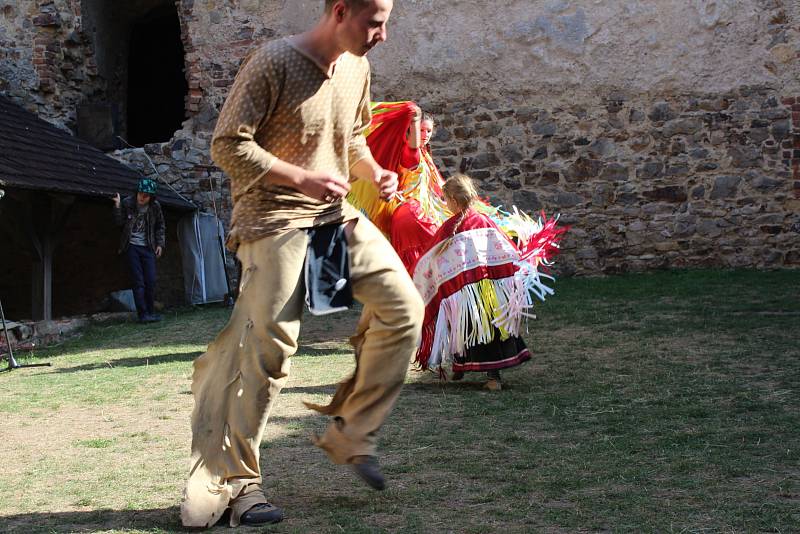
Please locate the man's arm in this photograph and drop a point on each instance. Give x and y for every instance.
(119, 220)
(357, 148)
(249, 103)
(321, 185)
(234, 149)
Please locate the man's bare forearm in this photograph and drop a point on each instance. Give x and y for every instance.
(366, 169)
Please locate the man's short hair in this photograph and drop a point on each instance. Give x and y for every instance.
(355, 5)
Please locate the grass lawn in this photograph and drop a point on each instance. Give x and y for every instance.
(662, 402)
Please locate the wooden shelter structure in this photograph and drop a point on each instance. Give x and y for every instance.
(58, 187)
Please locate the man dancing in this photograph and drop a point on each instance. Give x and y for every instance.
(289, 136)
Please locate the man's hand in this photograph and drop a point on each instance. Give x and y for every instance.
(115, 198)
(384, 179)
(386, 182)
(320, 185)
(323, 186)
(159, 250)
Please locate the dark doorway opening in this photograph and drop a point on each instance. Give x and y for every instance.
(156, 81)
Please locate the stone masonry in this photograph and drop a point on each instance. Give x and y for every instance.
(666, 134)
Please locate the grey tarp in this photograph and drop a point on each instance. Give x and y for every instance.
(201, 237)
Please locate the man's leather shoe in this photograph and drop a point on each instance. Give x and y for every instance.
(261, 514)
(367, 469)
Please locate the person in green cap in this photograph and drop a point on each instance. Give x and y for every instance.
(142, 241)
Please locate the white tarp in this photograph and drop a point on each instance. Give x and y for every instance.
(201, 237)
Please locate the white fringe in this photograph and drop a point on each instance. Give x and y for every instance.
(528, 283)
(462, 322)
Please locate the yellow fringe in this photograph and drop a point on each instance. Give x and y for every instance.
(490, 306)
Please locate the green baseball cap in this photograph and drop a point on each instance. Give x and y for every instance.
(146, 185)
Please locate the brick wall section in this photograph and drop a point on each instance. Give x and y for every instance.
(55, 67)
(645, 180)
(185, 165)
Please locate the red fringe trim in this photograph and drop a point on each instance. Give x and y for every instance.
(545, 242)
(426, 345)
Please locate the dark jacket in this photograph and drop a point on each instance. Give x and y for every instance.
(125, 215)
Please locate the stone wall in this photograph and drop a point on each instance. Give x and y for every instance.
(679, 182)
(665, 133)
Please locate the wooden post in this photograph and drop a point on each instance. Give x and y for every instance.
(42, 280)
(44, 220)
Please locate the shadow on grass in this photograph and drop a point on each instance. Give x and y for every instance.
(307, 350)
(94, 520)
(467, 387)
(323, 389)
(134, 362)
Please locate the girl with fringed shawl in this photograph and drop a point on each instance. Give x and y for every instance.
(476, 285)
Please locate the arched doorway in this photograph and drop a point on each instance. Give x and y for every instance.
(156, 82)
(139, 53)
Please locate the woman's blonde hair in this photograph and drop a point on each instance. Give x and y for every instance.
(461, 190)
